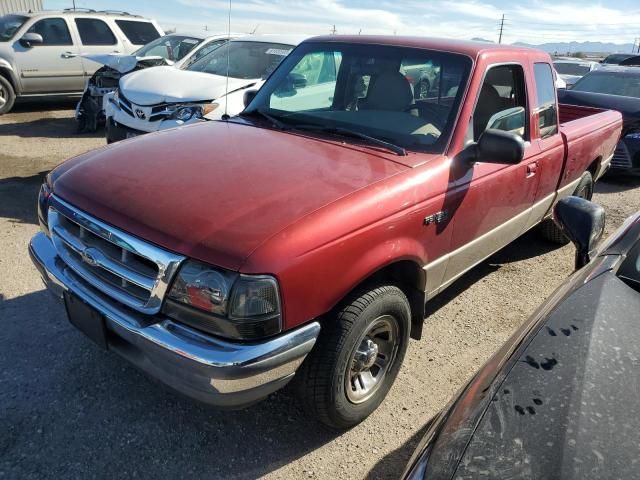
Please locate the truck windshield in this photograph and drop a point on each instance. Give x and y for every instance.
(407, 97)
(566, 68)
(245, 60)
(626, 84)
(171, 47)
(9, 25)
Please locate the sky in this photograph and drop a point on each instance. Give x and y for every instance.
(530, 21)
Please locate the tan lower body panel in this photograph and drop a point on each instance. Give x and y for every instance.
(447, 269)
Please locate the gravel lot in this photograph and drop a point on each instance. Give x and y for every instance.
(69, 410)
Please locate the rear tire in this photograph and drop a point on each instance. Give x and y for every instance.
(356, 358)
(549, 230)
(7, 96)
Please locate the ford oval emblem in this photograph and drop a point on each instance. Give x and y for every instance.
(88, 257)
(140, 114)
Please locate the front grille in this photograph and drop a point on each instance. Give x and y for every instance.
(124, 267)
(158, 112)
(621, 157)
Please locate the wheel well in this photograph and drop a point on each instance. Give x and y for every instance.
(7, 76)
(594, 167)
(410, 277)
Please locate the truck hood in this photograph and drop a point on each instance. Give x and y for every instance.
(172, 85)
(121, 63)
(215, 191)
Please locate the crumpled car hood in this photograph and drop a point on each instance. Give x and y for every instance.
(121, 63)
(172, 85)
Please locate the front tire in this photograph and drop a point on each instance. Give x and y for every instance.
(357, 357)
(7, 96)
(549, 230)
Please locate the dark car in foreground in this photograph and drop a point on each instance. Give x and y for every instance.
(560, 398)
(616, 88)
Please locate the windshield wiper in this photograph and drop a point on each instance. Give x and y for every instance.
(398, 150)
(276, 123)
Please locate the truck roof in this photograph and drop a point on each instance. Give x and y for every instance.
(466, 47)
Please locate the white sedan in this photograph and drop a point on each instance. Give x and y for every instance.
(165, 97)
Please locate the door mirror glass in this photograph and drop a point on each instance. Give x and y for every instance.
(28, 40)
(248, 97)
(583, 223)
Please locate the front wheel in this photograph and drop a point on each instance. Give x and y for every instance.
(357, 357)
(7, 96)
(549, 229)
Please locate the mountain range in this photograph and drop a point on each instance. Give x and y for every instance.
(563, 47)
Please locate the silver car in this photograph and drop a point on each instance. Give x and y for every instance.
(40, 53)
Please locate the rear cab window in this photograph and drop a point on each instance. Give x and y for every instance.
(138, 32)
(546, 107)
(94, 31)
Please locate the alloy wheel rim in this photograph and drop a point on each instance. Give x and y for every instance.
(371, 359)
(3, 97)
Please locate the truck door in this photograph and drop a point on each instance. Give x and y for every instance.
(546, 132)
(497, 198)
(54, 65)
(95, 37)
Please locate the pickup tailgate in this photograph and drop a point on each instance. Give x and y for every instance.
(589, 134)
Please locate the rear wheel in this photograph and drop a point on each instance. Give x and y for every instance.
(7, 96)
(549, 229)
(357, 357)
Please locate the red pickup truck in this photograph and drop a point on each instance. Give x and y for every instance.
(305, 235)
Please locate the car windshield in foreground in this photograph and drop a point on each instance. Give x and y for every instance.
(566, 68)
(401, 97)
(613, 83)
(171, 47)
(245, 60)
(9, 25)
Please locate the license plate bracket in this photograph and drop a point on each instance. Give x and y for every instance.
(86, 319)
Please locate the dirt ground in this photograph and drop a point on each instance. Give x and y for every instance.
(69, 410)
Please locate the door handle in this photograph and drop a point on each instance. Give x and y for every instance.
(116, 51)
(532, 168)
(69, 55)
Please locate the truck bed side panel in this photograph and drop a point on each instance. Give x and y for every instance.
(590, 137)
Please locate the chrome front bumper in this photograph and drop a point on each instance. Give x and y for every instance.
(208, 369)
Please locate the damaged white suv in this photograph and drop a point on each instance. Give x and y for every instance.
(166, 97)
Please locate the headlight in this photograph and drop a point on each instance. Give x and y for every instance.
(43, 206)
(186, 113)
(224, 303)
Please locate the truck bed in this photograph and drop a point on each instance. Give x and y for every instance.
(591, 135)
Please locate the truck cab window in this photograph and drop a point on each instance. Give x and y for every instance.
(546, 107)
(502, 103)
(54, 31)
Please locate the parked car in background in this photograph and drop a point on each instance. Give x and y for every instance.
(166, 97)
(617, 58)
(304, 236)
(174, 49)
(571, 70)
(617, 88)
(41, 53)
(560, 398)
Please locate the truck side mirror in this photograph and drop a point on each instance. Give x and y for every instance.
(248, 97)
(495, 146)
(582, 222)
(28, 40)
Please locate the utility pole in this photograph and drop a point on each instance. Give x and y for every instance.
(333, 30)
(501, 29)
